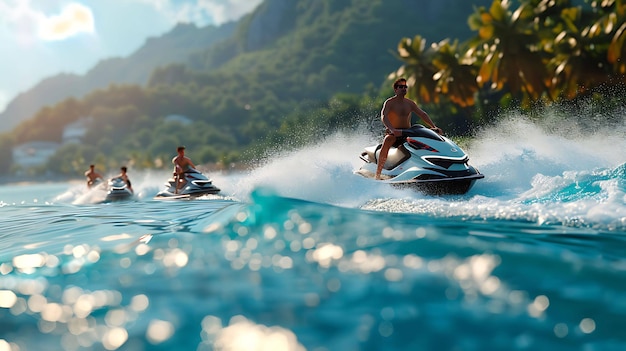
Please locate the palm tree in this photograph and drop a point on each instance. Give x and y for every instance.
(510, 47)
(437, 72)
(418, 69)
(544, 49)
(612, 23)
(456, 75)
(579, 56)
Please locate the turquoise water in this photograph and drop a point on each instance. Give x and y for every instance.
(301, 254)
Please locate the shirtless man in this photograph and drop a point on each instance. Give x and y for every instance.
(92, 175)
(182, 164)
(396, 115)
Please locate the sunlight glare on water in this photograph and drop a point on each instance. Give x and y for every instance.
(242, 334)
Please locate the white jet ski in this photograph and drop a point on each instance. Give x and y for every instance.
(426, 161)
(193, 184)
(117, 190)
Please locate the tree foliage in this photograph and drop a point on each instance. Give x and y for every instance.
(541, 51)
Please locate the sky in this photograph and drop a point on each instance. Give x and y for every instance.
(42, 38)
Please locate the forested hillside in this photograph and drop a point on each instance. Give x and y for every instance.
(286, 57)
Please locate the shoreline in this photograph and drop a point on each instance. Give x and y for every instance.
(57, 178)
(22, 180)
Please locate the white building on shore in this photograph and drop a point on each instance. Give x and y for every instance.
(37, 153)
(34, 153)
(74, 132)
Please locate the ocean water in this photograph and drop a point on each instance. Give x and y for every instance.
(301, 254)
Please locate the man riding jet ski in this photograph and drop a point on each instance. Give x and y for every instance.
(117, 190)
(416, 155)
(186, 181)
(119, 187)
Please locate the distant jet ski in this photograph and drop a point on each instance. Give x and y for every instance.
(426, 161)
(192, 184)
(117, 190)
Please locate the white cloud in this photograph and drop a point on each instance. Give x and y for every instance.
(29, 23)
(74, 19)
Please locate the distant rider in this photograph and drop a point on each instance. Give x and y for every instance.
(182, 164)
(124, 177)
(92, 176)
(396, 115)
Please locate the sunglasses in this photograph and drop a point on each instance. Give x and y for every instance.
(401, 86)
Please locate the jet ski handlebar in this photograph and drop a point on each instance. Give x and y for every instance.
(418, 130)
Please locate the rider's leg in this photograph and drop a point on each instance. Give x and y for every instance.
(177, 182)
(384, 151)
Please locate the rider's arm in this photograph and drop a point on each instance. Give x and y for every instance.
(426, 118)
(191, 163)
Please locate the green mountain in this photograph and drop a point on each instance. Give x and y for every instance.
(288, 53)
(174, 46)
(236, 83)
(322, 40)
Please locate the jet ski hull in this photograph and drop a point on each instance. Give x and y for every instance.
(118, 195)
(444, 186)
(455, 186)
(172, 194)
